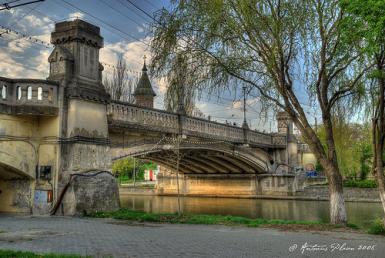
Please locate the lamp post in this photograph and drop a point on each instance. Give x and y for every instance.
(244, 125)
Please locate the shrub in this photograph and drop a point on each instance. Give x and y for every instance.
(377, 227)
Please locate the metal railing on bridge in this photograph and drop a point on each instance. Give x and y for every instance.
(126, 115)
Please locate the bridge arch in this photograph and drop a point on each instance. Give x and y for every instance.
(201, 158)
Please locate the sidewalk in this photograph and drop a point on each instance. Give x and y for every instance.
(104, 237)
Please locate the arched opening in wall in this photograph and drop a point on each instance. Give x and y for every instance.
(39, 93)
(4, 92)
(18, 92)
(29, 92)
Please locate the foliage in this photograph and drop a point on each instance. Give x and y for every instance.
(368, 20)
(124, 168)
(178, 87)
(16, 254)
(353, 147)
(360, 183)
(377, 227)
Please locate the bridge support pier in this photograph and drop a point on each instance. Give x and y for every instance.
(227, 185)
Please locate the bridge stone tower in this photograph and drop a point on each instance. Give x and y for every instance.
(286, 127)
(75, 63)
(144, 93)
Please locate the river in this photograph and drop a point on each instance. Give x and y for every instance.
(359, 213)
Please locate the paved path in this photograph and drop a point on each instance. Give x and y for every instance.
(105, 237)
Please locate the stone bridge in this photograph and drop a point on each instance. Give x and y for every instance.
(205, 146)
(55, 132)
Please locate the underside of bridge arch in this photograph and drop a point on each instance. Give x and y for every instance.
(206, 161)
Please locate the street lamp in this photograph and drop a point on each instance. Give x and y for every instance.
(244, 125)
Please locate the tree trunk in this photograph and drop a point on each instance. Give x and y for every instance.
(381, 181)
(378, 136)
(337, 202)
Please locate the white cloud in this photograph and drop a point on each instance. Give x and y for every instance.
(140, 29)
(76, 15)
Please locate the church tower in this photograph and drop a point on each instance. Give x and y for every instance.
(144, 94)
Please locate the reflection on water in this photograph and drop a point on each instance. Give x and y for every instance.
(359, 213)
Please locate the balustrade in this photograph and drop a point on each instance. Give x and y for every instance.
(28, 96)
(163, 121)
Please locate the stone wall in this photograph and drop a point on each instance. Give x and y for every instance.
(90, 193)
(350, 193)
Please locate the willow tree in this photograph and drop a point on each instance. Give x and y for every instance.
(271, 45)
(179, 96)
(366, 20)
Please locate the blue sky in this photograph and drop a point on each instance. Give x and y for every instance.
(125, 30)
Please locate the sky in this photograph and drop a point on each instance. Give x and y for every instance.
(126, 32)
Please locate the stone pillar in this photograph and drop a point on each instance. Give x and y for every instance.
(84, 148)
(286, 127)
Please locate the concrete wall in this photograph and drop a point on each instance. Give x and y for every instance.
(86, 118)
(16, 195)
(19, 158)
(246, 185)
(350, 193)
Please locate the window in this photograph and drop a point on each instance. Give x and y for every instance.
(29, 92)
(18, 92)
(4, 92)
(39, 93)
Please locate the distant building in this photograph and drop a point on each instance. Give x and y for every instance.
(150, 174)
(144, 93)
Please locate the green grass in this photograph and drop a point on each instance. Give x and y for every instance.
(126, 214)
(377, 227)
(360, 183)
(17, 254)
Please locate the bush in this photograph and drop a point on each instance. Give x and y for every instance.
(360, 183)
(377, 227)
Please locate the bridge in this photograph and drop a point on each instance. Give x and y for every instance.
(56, 132)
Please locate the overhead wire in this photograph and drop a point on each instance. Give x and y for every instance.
(106, 23)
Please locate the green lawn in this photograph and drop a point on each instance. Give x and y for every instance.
(126, 214)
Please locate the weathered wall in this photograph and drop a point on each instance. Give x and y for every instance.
(16, 195)
(225, 185)
(88, 194)
(19, 154)
(350, 193)
(19, 158)
(86, 118)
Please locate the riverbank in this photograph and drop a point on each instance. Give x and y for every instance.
(173, 218)
(311, 193)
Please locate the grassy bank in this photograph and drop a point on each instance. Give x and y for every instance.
(17, 254)
(126, 214)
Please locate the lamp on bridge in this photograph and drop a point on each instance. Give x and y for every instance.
(244, 125)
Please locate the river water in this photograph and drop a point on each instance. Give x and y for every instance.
(359, 213)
